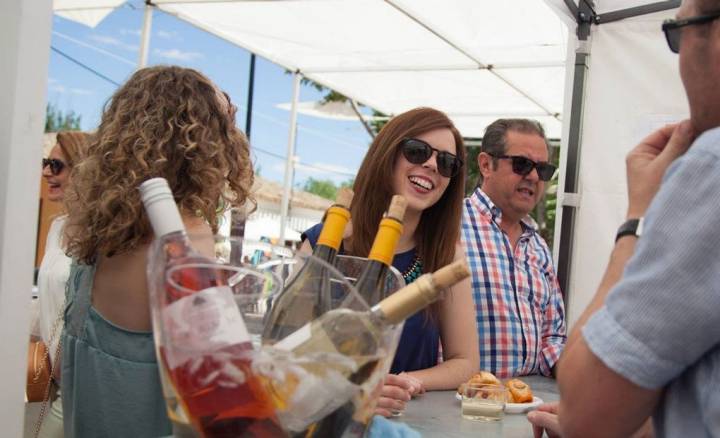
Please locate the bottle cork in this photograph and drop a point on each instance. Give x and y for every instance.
(398, 204)
(344, 197)
(450, 274)
(421, 293)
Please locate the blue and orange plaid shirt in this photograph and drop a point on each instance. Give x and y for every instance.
(520, 312)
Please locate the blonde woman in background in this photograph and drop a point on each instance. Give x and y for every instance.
(55, 265)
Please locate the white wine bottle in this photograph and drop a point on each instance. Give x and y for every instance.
(372, 282)
(202, 343)
(307, 295)
(358, 334)
(345, 345)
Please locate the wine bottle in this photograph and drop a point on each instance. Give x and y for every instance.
(358, 334)
(203, 346)
(307, 295)
(372, 282)
(349, 343)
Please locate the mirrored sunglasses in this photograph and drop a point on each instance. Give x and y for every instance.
(418, 152)
(56, 166)
(523, 166)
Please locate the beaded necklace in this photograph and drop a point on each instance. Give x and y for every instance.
(414, 271)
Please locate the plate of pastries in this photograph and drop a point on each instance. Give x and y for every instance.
(520, 398)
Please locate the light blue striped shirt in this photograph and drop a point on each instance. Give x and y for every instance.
(660, 326)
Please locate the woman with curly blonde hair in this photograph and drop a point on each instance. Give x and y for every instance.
(168, 122)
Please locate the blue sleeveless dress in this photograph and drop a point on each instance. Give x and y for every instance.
(110, 378)
(420, 338)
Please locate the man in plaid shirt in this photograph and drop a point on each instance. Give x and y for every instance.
(520, 313)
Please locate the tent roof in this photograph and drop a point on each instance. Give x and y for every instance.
(474, 60)
(88, 12)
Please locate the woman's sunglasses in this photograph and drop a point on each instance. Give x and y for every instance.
(56, 166)
(523, 166)
(418, 152)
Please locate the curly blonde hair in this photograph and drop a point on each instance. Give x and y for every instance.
(165, 121)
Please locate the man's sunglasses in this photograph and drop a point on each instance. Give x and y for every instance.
(673, 28)
(418, 152)
(523, 166)
(56, 166)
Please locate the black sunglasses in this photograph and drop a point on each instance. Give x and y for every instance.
(673, 28)
(56, 166)
(523, 166)
(417, 152)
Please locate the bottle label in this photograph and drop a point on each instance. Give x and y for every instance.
(200, 324)
(298, 337)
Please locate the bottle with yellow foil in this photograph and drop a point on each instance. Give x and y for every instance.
(346, 345)
(372, 282)
(307, 295)
(358, 334)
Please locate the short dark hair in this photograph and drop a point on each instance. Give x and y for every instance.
(494, 139)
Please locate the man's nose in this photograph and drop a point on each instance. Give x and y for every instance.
(533, 176)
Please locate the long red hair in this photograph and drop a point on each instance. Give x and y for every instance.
(439, 228)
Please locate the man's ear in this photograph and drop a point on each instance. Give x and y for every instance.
(485, 164)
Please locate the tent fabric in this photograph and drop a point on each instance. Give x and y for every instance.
(633, 87)
(476, 61)
(87, 12)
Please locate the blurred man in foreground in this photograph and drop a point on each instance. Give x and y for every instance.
(649, 343)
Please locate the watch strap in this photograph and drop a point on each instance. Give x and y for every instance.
(631, 227)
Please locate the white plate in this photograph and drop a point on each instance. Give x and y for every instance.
(516, 408)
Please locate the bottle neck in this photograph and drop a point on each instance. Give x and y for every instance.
(386, 239)
(332, 231)
(407, 301)
(325, 252)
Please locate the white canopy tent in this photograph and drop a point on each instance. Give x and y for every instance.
(625, 84)
(475, 60)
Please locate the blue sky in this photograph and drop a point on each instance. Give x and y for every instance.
(327, 149)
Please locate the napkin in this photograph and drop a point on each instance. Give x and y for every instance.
(382, 427)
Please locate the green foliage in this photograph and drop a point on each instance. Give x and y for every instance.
(56, 120)
(347, 184)
(325, 187)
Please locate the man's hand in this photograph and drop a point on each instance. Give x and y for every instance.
(545, 420)
(647, 162)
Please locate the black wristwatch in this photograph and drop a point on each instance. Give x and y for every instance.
(631, 227)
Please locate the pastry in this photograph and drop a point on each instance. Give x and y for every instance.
(519, 390)
(485, 377)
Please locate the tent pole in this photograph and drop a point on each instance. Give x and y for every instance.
(572, 164)
(290, 163)
(25, 40)
(608, 17)
(251, 88)
(145, 36)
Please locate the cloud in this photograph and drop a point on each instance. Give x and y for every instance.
(174, 36)
(327, 169)
(112, 41)
(61, 89)
(178, 55)
(134, 32)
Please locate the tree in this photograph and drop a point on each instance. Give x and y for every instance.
(56, 120)
(324, 188)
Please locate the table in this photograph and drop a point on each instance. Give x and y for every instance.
(437, 413)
